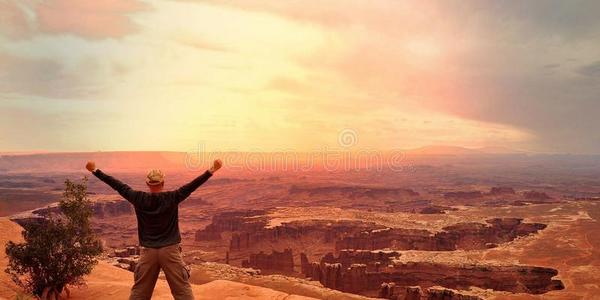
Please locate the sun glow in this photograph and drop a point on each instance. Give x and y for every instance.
(170, 75)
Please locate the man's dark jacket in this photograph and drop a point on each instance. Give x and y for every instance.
(157, 213)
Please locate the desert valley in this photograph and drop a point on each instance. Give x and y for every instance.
(445, 223)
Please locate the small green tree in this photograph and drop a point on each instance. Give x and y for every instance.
(59, 250)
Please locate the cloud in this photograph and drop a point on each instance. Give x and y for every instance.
(591, 70)
(568, 20)
(201, 44)
(46, 78)
(84, 18)
(479, 71)
(506, 63)
(14, 21)
(38, 76)
(498, 62)
(88, 18)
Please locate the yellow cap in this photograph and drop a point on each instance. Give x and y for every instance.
(155, 177)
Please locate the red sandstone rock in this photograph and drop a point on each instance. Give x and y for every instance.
(353, 191)
(121, 253)
(413, 293)
(331, 275)
(304, 264)
(387, 290)
(130, 262)
(276, 261)
(446, 294)
(102, 209)
(433, 209)
(467, 236)
(247, 220)
(133, 250)
(502, 190)
(357, 276)
(328, 231)
(373, 259)
(464, 195)
(533, 195)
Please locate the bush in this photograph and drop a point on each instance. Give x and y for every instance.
(59, 250)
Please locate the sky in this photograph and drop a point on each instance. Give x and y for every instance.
(254, 75)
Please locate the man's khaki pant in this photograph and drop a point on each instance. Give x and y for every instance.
(146, 273)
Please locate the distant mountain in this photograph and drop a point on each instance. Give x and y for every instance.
(456, 150)
(443, 150)
(74, 162)
(24, 152)
(501, 150)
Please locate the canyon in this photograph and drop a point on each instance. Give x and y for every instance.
(361, 271)
(249, 228)
(445, 229)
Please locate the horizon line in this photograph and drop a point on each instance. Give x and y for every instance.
(476, 151)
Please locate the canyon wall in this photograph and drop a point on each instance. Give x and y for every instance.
(276, 261)
(352, 271)
(317, 230)
(362, 267)
(463, 236)
(393, 292)
(246, 220)
(248, 229)
(102, 209)
(354, 192)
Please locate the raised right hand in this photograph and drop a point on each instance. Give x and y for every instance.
(91, 166)
(217, 164)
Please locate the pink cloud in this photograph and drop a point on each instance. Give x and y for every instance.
(88, 18)
(13, 21)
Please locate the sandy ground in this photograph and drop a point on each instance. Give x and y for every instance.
(108, 282)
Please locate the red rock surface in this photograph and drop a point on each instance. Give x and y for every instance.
(502, 190)
(276, 261)
(393, 292)
(466, 236)
(361, 271)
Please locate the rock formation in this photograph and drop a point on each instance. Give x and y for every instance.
(463, 195)
(412, 293)
(248, 228)
(246, 220)
(102, 209)
(387, 291)
(317, 230)
(435, 209)
(354, 192)
(331, 275)
(447, 294)
(502, 190)
(126, 252)
(276, 261)
(393, 292)
(372, 258)
(465, 236)
(352, 272)
(126, 258)
(304, 264)
(533, 195)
